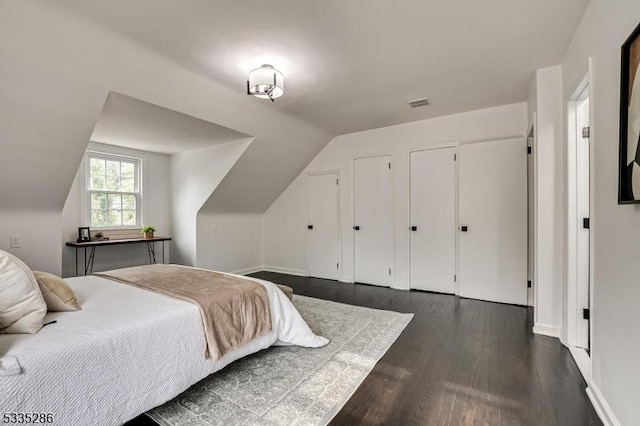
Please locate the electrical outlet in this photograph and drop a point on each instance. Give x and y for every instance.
(15, 242)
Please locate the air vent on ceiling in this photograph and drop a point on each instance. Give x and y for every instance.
(419, 102)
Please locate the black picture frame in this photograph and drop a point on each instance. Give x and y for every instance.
(629, 168)
(84, 234)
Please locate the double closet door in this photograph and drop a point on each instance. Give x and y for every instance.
(483, 246)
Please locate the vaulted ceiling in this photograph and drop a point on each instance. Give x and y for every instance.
(352, 65)
(348, 66)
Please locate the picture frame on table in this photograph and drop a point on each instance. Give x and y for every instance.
(84, 234)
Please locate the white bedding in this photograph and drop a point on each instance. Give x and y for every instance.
(128, 350)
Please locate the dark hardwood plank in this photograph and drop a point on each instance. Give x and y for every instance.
(459, 362)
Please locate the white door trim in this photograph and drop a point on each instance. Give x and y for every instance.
(534, 176)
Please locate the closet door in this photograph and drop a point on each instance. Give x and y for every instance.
(373, 225)
(583, 234)
(433, 220)
(322, 228)
(493, 221)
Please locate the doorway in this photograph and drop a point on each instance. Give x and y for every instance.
(583, 236)
(531, 208)
(579, 223)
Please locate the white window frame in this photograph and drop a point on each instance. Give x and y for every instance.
(86, 193)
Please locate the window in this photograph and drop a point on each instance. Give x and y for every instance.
(113, 191)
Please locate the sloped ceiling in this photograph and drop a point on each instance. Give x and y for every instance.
(56, 72)
(352, 65)
(349, 66)
(132, 123)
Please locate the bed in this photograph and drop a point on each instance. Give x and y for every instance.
(128, 350)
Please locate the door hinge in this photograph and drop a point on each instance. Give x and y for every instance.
(529, 150)
(389, 165)
(389, 271)
(586, 314)
(455, 157)
(337, 266)
(455, 278)
(586, 132)
(337, 180)
(529, 284)
(585, 223)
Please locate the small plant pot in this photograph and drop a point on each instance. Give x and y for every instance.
(148, 235)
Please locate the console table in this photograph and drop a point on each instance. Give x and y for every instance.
(88, 262)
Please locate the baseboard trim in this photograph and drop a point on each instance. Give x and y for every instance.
(601, 406)
(248, 271)
(298, 272)
(546, 330)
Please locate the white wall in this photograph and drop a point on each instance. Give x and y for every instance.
(194, 176)
(615, 228)
(546, 102)
(230, 242)
(156, 202)
(532, 101)
(39, 232)
(285, 230)
(285, 220)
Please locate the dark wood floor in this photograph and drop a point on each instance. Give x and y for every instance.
(459, 362)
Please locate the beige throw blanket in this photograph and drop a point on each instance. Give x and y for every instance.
(234, 310)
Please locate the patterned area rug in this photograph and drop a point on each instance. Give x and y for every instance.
(292, 385)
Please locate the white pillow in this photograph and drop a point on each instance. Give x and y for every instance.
(22, 307)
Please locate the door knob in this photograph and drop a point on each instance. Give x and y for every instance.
(414, 228)
(357, 228)
(310, 227)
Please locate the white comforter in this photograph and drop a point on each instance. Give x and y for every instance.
(127, 351)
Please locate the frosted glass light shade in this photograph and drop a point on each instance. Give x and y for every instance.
(266, 82)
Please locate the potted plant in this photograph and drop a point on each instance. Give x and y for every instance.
(99, 236)
(147, 231)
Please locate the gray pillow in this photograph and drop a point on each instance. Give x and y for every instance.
(56, 292)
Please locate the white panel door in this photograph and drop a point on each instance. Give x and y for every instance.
(433, 220)
(373, 224)
(493, 221)
(531, 201)
(582, 210)
(322, 229)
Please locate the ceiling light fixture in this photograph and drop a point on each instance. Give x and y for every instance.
(265, 82)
